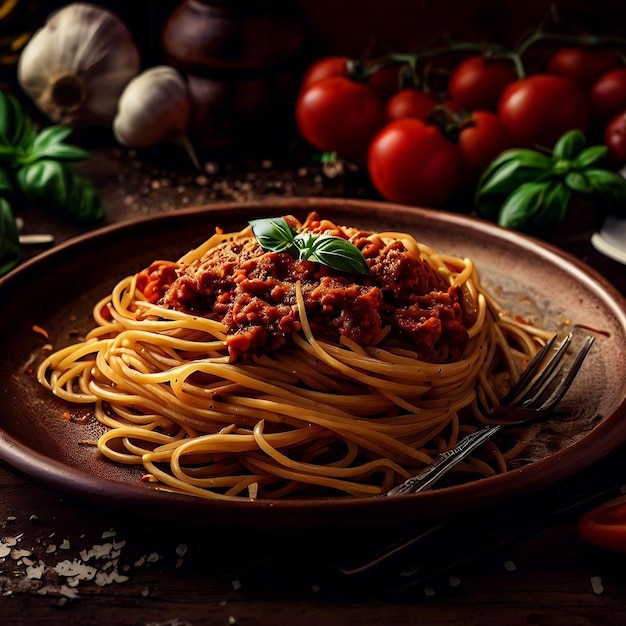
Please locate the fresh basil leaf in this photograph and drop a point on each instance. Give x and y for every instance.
(556, 201)
(524, 156)
(303, 243)
(9, 238)
(83, 202)
(594, 155)
(58, 151)
(569, 145)
(6, 186)
(535, 207)
(497, 184)
(338, 253)
(51, 135)
(9, 155)
(519, 209)
(273, 234)
(16, 128)
(53, 185)
(48, 144)
(578, 181)
(44, 181)
(610, 188)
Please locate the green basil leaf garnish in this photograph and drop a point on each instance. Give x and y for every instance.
(339, 254)
(275, 235)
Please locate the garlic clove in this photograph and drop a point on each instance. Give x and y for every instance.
(76, 66)
(155, 107)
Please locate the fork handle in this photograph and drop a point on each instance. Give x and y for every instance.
(445, 461)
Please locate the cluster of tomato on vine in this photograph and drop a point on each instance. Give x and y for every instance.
(421, 142)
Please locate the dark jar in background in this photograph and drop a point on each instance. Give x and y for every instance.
(243, 60)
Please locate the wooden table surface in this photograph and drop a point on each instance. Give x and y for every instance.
(63, 561)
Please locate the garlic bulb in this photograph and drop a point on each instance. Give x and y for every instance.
(155, 107)
(76, 66)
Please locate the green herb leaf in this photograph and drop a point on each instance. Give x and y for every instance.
(54, 185)
(6, 188)
(339, 254)
(610, 188)
(51, 135)
(8, 155)
(16, 129)
(504, 176)
(9, 238)
(58, 151)
(521, 206)
(578, 181)
(594, 155)
(273, 234)
(569, 145)
(535, 207)
(44, 180)
(49, 144)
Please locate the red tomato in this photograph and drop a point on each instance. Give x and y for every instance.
(615, 140)
(605, 526)
(608, 95)
(326, 67)
(339, 115)
(583, 64)
(537, 110)
(477, 83)
(386, 81)
(409, 102)
(412, 162)
(479, 143)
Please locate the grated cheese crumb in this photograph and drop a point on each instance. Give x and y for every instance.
(596, 585)
(153, 557)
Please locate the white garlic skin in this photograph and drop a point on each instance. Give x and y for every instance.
(154, 107)
(76, 66)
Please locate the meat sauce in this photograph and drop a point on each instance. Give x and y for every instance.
(253, 293)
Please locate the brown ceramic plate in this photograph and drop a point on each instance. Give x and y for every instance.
(57, 290)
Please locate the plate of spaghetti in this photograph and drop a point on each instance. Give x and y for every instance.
(287, 363)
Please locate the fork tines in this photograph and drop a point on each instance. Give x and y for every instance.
(533, 389)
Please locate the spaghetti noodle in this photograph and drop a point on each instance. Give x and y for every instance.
(224, 381)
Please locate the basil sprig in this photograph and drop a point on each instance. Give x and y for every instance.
(275, 235)
(37, 166)
(530, 190)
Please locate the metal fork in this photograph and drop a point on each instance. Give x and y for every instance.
(531, 398)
